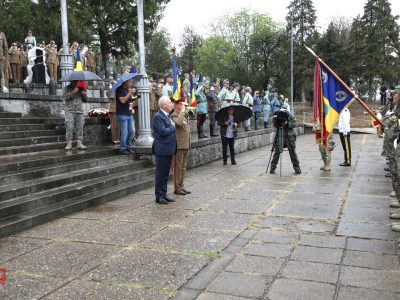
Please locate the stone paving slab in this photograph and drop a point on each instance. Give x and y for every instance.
(149, 268)
(241, 234)
(83, 289)
(300, 290)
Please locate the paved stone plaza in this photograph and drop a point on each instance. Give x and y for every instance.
(243, 234)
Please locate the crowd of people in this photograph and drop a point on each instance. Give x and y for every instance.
(14, 59)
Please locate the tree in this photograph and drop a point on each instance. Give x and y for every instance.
(191, 41)
(380, 32)
(213, 58)
(158, 54)
(304, 33)
(333, 46)
(114, 22)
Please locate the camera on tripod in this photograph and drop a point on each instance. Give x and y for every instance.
(281, 117)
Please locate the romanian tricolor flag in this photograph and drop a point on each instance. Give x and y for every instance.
(176, 89)
(79, 68)
(192, 91)
(330, 98)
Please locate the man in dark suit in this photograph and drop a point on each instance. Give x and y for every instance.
(164, 147)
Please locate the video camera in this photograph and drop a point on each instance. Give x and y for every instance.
(281, 117)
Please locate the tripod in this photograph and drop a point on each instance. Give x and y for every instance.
(280, 149)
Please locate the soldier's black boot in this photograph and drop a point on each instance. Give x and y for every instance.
(265, 124)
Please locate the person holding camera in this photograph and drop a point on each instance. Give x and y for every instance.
(228, 130)
(285, 122)
(123, 95)
(74, 96)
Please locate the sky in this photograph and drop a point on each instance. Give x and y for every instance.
(198, 14)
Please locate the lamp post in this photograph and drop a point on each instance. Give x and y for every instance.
(66, 64)
(144, 139)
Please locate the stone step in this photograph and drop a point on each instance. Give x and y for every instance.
(32, 141)
(30, 133)
(28, 127)
(16, 223)
(41, 184)
(10, 115)
(36, 148)
(14, 163)
(25, 203)
(52, 170)
(6, 121)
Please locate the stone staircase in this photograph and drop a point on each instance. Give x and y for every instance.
(39, 181)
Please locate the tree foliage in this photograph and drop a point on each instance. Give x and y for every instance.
(191, 41)
(111, 23)
(158, 54)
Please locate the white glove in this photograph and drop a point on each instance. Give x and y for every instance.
(389, 113)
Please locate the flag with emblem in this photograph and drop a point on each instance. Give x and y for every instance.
(330, 98)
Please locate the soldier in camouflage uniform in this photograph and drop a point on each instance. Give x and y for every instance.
(3, 59)
(326, 154)
(289, 140)
(396, 151)
(74, 118)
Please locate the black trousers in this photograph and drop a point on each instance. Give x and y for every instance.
(163, 165)
(345, 140)
(225, 142)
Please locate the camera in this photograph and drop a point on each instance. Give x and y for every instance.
(281, 117)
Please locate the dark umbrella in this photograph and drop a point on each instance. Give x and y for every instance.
(125, 77)
(81, 76)
(240, 114)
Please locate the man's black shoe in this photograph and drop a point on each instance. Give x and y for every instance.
(169, 199)
(298, 171)
(345, 164)
(130, 151)
(272, 171)
(388, 175)
(386, 169)
(124, 152)
(186, 191)
(179, 192)
(161, 201)
(234, 162)
(225, 163)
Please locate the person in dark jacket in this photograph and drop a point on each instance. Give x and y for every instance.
(228, 132)
(164, 147)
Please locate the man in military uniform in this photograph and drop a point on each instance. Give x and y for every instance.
(213, 105)
(181, 119)
(285, 122)
(3, 59)
(52, 60)
(223, 95)
(90, 60)
(15, 62)
(186, 88)
(396, 151)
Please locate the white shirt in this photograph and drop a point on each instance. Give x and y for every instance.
(344, 121)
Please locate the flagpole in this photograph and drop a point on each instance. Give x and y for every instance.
(345, 86)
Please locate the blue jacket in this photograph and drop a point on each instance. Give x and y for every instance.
(257, 104)
(275, 105)
(164, 135)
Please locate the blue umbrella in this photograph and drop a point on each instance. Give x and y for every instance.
(125, 77)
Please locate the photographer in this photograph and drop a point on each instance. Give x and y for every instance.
(74, 96)
(285, 123)
(123, 96)
(228, 133)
